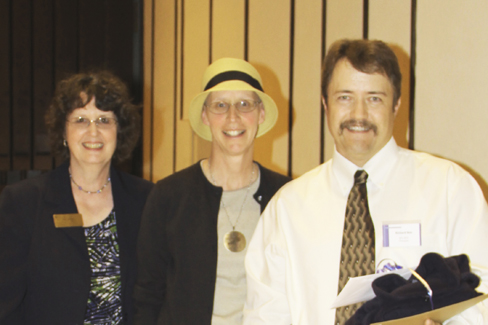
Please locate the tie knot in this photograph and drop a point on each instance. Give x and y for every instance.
(360, 177)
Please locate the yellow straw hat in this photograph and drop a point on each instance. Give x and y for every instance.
(231, 74)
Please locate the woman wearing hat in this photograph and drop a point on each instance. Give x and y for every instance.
(197, 222)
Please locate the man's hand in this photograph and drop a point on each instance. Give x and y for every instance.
(431, 322)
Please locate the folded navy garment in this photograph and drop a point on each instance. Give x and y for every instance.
(449, 278)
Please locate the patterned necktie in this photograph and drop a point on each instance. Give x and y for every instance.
(357, 252)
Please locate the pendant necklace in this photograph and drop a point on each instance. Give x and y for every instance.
(88, 192)
(234, 241)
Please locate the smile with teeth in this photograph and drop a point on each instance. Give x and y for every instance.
(358, 128)
(90, 145)
(233, 133)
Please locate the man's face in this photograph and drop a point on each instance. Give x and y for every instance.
(360, 112)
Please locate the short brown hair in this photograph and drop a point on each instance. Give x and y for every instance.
(110, 94)
(365, 56)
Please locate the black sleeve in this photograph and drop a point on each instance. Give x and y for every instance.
(150, 287)
(17, 207)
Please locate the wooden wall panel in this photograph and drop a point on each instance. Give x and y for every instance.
(196, 36)
(228, 29)
(165, 112)
(344, 20)
(306, 86)
(285, 41)
(5, 86)
(43, 80)
(390, 22)
(66, 45)
(149, 27)
(92, 29)
(21, 83)
(122, 31)
(452, 76)
(42, 42)
(269, 52)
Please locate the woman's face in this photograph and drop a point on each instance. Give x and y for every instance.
(233, 132)
(93, 144)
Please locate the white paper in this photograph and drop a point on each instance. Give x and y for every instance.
(359, 288)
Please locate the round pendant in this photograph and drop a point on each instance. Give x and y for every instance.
(234, 241)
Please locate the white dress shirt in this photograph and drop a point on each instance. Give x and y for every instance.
(292, 262)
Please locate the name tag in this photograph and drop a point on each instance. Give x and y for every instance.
(68, 220)
(402, 235)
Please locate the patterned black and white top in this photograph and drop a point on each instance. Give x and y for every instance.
(104, 305)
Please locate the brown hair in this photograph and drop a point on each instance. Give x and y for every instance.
(110, 95)
(365, 56)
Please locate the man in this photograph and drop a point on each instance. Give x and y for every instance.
(293, 261)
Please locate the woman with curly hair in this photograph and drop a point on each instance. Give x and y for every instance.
(67, 238)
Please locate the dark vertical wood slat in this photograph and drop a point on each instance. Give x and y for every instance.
(175, 89)
(413, 58)
(66, 38)
(182, 55)
(365, 19)
(137, 78)
(43, 79)
(246, 30)
(92, 34)
(290, 87)
(137, 53)
(322, 110)
(5, 87)
(21, 82)
(210, 32)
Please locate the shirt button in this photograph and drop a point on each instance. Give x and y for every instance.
(260, 198)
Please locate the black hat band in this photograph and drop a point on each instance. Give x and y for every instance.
(233, 75)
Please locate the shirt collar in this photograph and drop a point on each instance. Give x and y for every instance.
(377, 168)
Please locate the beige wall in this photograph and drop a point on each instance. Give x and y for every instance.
(287, 44)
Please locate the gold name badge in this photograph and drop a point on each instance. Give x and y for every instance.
(68, 220)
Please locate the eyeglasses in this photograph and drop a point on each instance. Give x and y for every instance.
(102, 122)
(243, 106)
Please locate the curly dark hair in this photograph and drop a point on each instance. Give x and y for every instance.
(110, 94)
(368, 56)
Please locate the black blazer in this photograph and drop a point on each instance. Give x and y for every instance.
(44, 271)
(177, 247)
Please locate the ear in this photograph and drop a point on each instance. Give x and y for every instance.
(324, 103)
(205, 117)
(396, 107)
(262, 114)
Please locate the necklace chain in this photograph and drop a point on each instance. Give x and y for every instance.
(222, 199)
(89, 192)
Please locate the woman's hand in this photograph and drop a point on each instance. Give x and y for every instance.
(431, 322)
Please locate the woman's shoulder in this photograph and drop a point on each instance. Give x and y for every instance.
(269, 176)
(134, 181)
(190, 175)
(29, 186)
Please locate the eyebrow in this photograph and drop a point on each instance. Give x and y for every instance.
(373, 92)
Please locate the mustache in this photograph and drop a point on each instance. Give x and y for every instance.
(365, 124)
